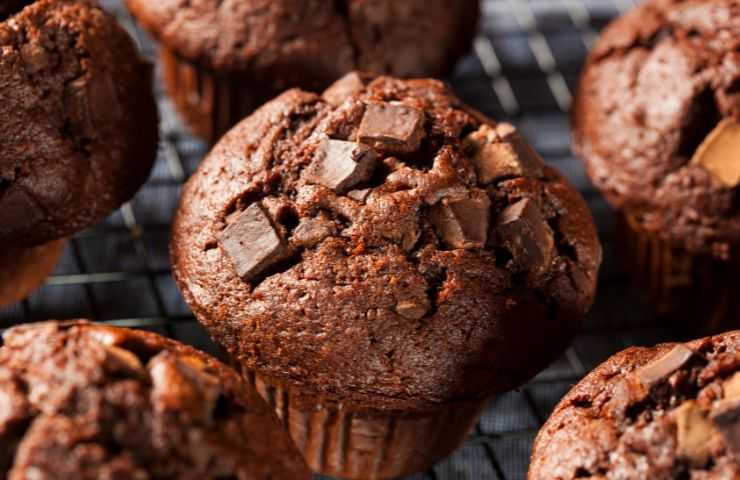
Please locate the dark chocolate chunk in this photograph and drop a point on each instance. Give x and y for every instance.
(360, 195)
(726, 417)
(522, 229)
(311, 231)
(412, 309)
(662, 368)
(253, 242)
(392, 127)
(500, 152)
(463, 222)
(344, 88)
(340, 165)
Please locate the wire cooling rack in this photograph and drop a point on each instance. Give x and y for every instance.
(523, 68)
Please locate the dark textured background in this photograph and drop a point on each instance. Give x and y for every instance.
(524, 68)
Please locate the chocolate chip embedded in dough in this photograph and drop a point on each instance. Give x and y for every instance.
(311, 231)
(349, 85)
(412, 309)
(720, 153)
(390, 127)
(178, 387)
(252, 242)
(659, 370)
(122, 360)
(463, 222)
(522, 229)
(694, 432)
(341, 165)
(500, 152)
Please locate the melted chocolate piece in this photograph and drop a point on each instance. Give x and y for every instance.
(463, 222)
(523, 230)
(392, 127)
(253, 242)
(500, 152)
(659, 370)
(340, 165)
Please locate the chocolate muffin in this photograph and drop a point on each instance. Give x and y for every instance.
(89, 401)
(657, 120)
(79, 130)
(221, 60)
(667, 412)
(381, 260)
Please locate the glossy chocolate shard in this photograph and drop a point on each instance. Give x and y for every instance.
(523, 231)
(659, 370)
(500, 152)
(463, 222)
(252, 242)
(341, 165)
(391, 127)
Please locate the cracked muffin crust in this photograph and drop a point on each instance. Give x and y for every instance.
(223, 59)
(384, 246)
(666, 412)
(79, 130)
(660, 79)
(89, 401)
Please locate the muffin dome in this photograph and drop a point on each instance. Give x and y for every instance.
(666, 412)
(312, 43)
(89, 401)
(658, 82)
(79, 130)
(385, 244)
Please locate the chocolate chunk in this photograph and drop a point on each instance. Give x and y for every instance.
(122, 360)
(726, 417)
(500, 152)
(412, 310)
(178, 387)
(662, 368)
(731, 387)
(522, 229)
(340, 165)
(694, 432)
(463, 222)
(392, 127)
(360, 195)
(253, 242)
(311, 231)
(349, 85)
(720, 153)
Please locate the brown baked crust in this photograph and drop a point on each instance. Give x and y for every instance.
(326, 318)
(79, 130)
(611, 426)
(658, 81)
(89, 401)
(23, 270)
(283, 43)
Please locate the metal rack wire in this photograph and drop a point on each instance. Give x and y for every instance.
(523, 68)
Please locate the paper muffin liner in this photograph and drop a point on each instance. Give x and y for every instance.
(210, 103)
(23, 270)
(698, 292)
(345, 442)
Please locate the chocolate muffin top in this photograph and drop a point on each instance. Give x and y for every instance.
(667, 412)
(79, 129)
(88, 401)
(309, 44)
(384, 244)
(658, 82)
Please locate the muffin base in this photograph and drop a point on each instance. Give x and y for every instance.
(697, 292)
(345, 442)
(209, 103)
(23, 270)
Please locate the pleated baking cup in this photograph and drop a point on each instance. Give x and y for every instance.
(345, 442)
(209, 102)
(23, 270)
(698, 292)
